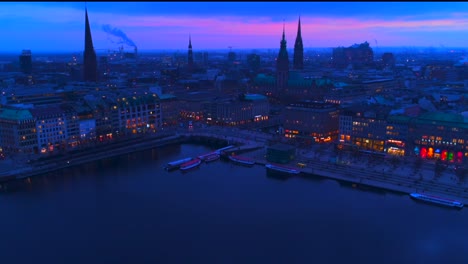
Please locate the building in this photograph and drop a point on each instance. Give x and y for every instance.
(138, 114)
(280, 153)
(90, 71)
(357, 55)
(250, 110)
(17, 131)
(436, 135)
(25, 61)
(170, 109)
(282, 66)
(363, 127)
(311, 121)
(51, 128)
(298, 62)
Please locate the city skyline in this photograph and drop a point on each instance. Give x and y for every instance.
(45, 27)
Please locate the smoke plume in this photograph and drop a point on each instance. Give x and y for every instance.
(118, 33)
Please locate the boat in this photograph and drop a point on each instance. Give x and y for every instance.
(218, 151)
(242, 160)
(204, 156)
(211, 157)
(284, 169)
(190, 164)
(437, 200)
(176, 164)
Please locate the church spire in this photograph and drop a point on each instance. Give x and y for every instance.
(298, 49)
(190, 54)
(282, 64)
(89, 60)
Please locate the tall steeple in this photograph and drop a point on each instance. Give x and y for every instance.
(190, 54)
(298, 60)
(282, 64)
(90, 62)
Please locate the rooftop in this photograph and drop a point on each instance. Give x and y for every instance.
(15, 114)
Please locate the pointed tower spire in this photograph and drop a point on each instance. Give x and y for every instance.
(89, 60)
(283, 30)
(282, 64)
(190, 54)
(298, 49)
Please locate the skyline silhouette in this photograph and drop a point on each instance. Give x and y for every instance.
(44, 27)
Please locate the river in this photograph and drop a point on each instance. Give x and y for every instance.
(130, 210)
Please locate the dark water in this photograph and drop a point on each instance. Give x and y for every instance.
(130, 210)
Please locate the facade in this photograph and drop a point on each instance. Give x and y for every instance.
(441, 136)
(51, 128)
(280, 153)
(170, 109)
(431, 135)
(298, 62)
(138, 114)
(251, 109)
(311, 121)
(90, 71)
(25, 60)
(397, 134)
(363, 128)
(17, 131)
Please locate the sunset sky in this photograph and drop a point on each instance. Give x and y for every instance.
(59, 26)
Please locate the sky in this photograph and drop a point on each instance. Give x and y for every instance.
(59, 26)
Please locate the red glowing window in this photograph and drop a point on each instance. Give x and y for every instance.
(423, 153)
(443, 156)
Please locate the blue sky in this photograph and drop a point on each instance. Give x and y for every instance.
(59, 26)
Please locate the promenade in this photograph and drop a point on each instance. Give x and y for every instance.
(319, 160)
(362, 170)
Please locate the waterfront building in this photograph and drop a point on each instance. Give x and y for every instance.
(397, 134)
(363, 127)
(280, 153)
(191, 104)
(436, 135)
(73, 129)
(170, 109)
(138, 113)
(298, 62)
(17, 131)
(106, 115)
(311, 121)
(89, 60)
(51, 128)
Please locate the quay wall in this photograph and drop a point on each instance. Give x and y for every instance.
(315, 168)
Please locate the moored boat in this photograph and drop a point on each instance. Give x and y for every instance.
(211, 157)
(190, 164)
(437, 200)
(242, 160)
(176, 164)
(204, 156)
(280, 168)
